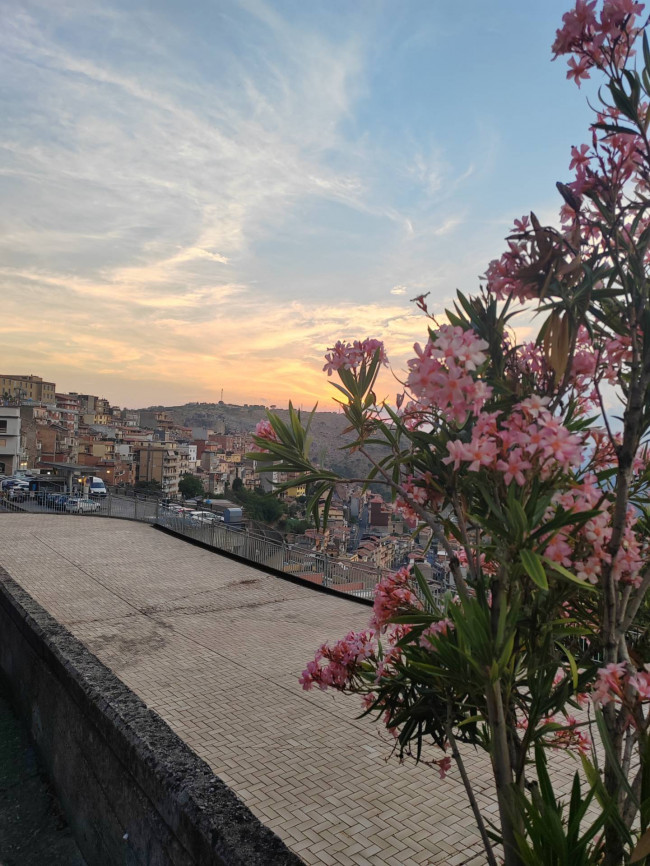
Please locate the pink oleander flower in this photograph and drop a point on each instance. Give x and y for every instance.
(514, 467)
(341, 662)
(559, 550)
(264, 430)
(393, 594)
(457, 453)
(609, 683)
(534, 405)
(442, 626)
(349, 356)
(579, 157)
(640, 682)
(578, 71)
(440, 375)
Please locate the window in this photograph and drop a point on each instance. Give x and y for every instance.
(3, 426)
(3, 442)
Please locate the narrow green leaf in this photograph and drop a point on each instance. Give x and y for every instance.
(564, 572)
(532, 562)
(572, 663)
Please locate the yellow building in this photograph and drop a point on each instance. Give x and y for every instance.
(28, 388)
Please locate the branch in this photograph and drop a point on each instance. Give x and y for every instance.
(634, 604)
(462, 526)
(470, 796)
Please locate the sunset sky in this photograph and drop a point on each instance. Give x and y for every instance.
(206, 194)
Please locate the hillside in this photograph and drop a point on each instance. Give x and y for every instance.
(326, 429)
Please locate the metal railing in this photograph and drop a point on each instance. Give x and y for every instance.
(351, 578)
(59, 503)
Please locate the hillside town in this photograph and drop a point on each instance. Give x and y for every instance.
(55, 435)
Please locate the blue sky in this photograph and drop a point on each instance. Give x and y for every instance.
(205, 195)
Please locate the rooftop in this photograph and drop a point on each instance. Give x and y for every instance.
(216, 648)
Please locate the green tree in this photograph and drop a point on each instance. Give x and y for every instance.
(190, 486)
(259, 506)
(147, 486)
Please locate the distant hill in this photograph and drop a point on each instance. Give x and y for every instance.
(326, 430)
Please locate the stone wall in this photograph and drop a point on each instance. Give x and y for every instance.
(132, 790)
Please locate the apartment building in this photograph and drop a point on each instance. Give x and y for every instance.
(96, 449)
(9, 439)
(27, 388)
(158, 462)
(156, 420)
(57, 445)
(68, 409)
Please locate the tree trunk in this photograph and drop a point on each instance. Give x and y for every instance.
(502, 770)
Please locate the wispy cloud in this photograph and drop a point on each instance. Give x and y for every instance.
(209, 197)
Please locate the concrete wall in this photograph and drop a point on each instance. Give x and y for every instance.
(133, 792)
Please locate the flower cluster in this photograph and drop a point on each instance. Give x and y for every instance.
(341, 662)
(418, 490)
(585, 548)
(597, 41)
(569, 736)
(441, 374)
(393, 595)
(530, 441)
(349, 356)
(615, 683)
(442, 626)
(265, 431)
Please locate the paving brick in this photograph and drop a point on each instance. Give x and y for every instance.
(216, 647)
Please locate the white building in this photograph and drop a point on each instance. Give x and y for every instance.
(188, 453)
(9, 439)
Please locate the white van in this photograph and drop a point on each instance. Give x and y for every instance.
(96, 486)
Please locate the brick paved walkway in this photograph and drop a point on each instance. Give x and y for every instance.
(216, 649)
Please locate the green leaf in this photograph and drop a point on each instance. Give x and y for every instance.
(532, 562)
(572, 663)
(615, 129)
(519, 518)
(564, 572)
(424, 589)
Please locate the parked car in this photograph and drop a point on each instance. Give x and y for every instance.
(203, 517)
(19, 491)
(178, 509)
(56, 500)
(76, 505)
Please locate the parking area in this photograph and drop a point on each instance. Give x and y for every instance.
(109, 506)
